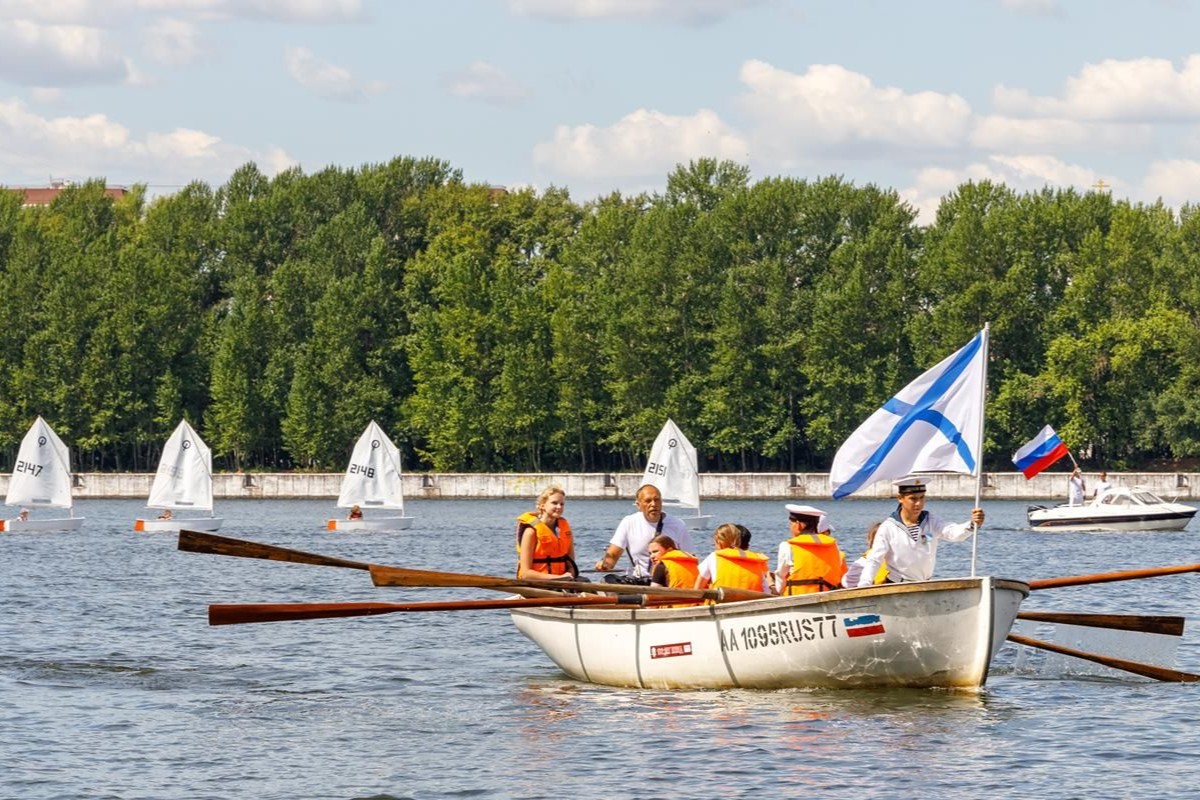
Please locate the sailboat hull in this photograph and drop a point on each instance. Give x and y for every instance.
(41, 525)
(177, 525)
(700, 522)
(369, 525)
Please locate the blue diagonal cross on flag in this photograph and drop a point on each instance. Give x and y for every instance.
(935, 424)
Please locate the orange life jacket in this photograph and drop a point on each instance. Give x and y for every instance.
(682, 569)
(739, 569)
(551, 553)
(818, 565)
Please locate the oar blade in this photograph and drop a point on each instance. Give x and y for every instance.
(1137, 668)
(242, 613)
(1166, 626)
(201, 542)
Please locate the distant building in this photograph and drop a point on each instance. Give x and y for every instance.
(44, 195)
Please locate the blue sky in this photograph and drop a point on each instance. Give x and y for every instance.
(597, 95)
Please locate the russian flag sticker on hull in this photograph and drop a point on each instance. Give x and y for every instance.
(866, 625)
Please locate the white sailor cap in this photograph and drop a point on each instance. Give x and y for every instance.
(810, 512)
(910, 486)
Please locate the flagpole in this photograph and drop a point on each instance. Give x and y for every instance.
(979, 457)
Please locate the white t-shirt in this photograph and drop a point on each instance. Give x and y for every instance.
(633, 536)
(1075, 494)
(1103, 487)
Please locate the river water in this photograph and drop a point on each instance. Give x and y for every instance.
(112, 685)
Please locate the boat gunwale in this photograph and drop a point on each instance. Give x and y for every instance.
(627, 614)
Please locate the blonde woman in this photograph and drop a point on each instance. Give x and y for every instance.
(546, 547)
(732, 568)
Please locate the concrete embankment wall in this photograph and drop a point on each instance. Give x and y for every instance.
(599, 485)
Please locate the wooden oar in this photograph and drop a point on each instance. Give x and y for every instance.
(1167, 626)
(199, 542)
(236, 614)
(1107, 577)
(1137, 668)
(402, 576)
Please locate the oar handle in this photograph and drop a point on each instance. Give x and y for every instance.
(1108, 577)
(200, 542)
(1137, 668)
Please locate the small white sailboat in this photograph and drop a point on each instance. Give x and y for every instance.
(672, 467)
(372, 481)
(41, 478)
(183, 483)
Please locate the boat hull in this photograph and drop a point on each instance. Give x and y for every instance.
(369, 525)
(700, 522)
(930, 634)
(177, 525)
(1171, 517)
(41, 525)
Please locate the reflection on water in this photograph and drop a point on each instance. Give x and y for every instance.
(103, 631)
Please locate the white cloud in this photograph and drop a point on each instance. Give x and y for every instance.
(832, 110)
(327, 80)
(33, 54)
(640, 144)
(1136, 90)
(1042, 8)
(1026, 173)
(690, 12)
(45, 96)
(96, 146)
(100, 11)
(1006, 134)
(1174, 181)
(483, 81)
(172, 41)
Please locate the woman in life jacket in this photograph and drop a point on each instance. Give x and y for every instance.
(731, 567)
(545, 546)
(672, 568)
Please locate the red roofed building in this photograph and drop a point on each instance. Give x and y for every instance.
(44, 195)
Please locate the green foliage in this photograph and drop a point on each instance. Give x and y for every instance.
(494, 330)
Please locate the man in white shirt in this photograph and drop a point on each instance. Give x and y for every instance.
(1075, 488)
(907, 540)
(634, 533)
(1103, 487)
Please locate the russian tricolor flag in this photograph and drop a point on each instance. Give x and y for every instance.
(866, 625)
(1039, 452)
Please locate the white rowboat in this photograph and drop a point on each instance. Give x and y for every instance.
(931, 634)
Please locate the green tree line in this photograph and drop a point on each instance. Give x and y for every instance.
(495, 331)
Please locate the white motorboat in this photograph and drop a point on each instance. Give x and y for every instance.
(1120, 509)
(940, 633)
(41, 478)
(672, 467)
(183, 483)
(372, 482)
